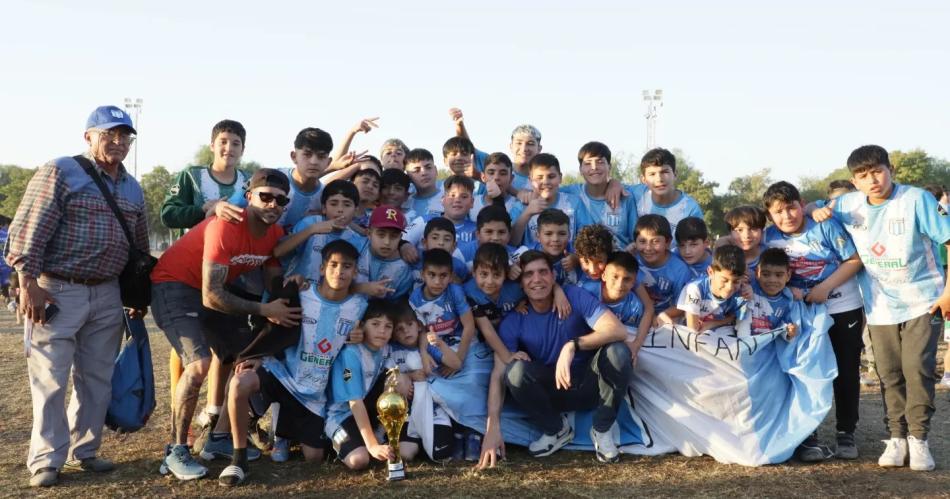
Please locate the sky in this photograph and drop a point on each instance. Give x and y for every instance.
(747, 85)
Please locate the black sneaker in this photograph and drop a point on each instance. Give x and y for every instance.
(846, 448)
(811, 451)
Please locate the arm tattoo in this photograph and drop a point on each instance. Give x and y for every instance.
(214, 296)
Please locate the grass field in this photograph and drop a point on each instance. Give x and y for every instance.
(565, 474)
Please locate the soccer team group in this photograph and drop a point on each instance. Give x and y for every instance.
(398, 269)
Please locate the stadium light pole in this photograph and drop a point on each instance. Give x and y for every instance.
(653, 101)
(134, 107)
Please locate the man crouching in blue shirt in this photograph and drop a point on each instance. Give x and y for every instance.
(578, 363)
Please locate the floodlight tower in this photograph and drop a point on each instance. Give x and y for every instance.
(653, 103)
(134, 107)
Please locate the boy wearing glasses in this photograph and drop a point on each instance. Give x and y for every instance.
(188, 285)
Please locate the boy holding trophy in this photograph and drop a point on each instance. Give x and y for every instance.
(354, 392)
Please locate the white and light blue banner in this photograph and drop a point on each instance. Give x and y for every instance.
(747, 401)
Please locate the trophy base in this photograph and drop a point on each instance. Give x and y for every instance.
(397, 472)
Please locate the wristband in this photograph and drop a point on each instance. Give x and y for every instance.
(577, 344)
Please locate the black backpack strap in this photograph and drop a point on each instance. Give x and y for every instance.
(90, 169)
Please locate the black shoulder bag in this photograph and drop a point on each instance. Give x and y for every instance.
(135, 283)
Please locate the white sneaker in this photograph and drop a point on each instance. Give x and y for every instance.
(604, 446)
(920, 457)
(895, 455)
(549, 444)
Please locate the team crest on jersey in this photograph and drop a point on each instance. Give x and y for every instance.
(343, 326)
(896, 226)
(612, 220)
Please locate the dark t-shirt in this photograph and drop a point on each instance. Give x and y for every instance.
(542, 335)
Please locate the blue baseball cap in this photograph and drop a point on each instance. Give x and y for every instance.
(106, 117)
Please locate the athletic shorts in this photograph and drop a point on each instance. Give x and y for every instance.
(193, 330)
(294, 420)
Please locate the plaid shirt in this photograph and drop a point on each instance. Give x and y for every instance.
(65, 226)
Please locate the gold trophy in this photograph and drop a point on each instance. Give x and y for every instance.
(393, 410)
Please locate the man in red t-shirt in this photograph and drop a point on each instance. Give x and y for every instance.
(190, 279)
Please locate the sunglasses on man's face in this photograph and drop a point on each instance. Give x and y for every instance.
(268, 198)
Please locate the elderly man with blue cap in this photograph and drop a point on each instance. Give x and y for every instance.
(68, 249)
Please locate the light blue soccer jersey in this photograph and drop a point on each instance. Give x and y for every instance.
(589, 284)
(459, 268)
(371, 268)
(897, 242)
(407, 359)
(770, 312)
(814, 255)
(697, 298)
(509, 296)
(479, 160)
(700, 268)
(512, 204)
(752, 266)
(520, 182)
(354, 373)
(428, 205)
(307, 259)
(562, 276)
(566, 202)
(629, 310)
(305, 368)
(664, 283)
(415, 231)
(684, 206)
(302, 203)
(620, 221)
(442, 313)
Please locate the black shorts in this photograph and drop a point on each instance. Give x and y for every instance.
(347, 438)
(294, 420)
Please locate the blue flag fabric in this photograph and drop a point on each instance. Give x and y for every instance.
(744, 400)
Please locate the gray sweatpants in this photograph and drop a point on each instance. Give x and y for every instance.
(905, 355)
(83, 338)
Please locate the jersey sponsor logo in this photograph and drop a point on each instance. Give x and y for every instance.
(308, 320)
(347, 374)
(315, 358)
(878, 249)
(324, 346)
(249, 260)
